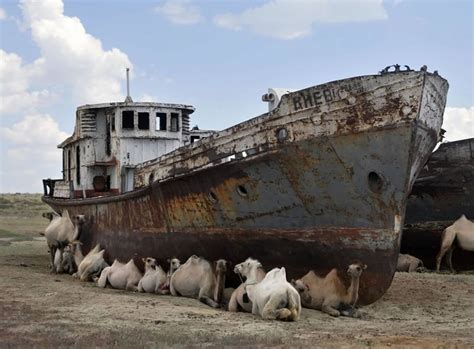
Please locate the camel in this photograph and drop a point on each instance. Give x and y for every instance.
(68, 262)
(253, 272)
(330, 294)
(197, 278)
(61, 230)
(58, 260)
(92, 265)
(274, 297)
(408, 263)
(462, 230)
(76, 252)
(121, 276)
(155, 278)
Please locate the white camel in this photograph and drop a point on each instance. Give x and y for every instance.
(92, 265)
(123, 276)
(274, 297)
(462, 230)
(197, 278)
(155, 278)
(61, 231)
(253, 272)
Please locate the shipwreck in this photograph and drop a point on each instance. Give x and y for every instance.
(443, 191)
(318, 181)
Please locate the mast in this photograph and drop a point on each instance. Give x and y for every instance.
(128, 99)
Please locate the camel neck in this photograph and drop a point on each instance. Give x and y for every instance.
(256, 275)
(219, 287)
(353, 291)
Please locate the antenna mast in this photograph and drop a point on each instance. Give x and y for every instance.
(128, 99)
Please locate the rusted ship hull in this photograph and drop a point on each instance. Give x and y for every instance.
(329, 189)
(442, 193)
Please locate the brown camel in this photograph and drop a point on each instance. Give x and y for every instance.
(331, 294)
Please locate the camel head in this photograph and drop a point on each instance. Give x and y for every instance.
(221, 266)
(79, 220)
(356, 268)
(73, 245)
(175, 263)
(50, 215)
(299, 285)
(245, 268)
(150, 263)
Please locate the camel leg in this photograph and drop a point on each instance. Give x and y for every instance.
(447, 239)
(412, 267)
(102, 282)
(449, 258)
(329, 309)
(52, 252)
(131, 287)
(162, 292)
(206, 300)
(172, 289)
(271, 311)
(233, 305)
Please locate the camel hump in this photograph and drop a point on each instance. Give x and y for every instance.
(65, 214)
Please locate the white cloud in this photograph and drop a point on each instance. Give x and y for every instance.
(3, 14)
(290, 19)
(180, 12)
(33, 154)
(37, 130)
(72, 57)
(16, 78)
(72, 63)
(458, 123)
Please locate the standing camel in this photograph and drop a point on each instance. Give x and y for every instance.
(461, 230)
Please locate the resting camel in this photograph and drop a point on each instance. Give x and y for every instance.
(68, 262)
(408, 263)
(462, 231)
(155, 278)
(61, 230)
(92, 265)
(253, 272)
(331, 294)
(121, 276)
(197, 278)
(274, 297)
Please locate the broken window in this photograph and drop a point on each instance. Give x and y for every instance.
(69, 165)
(78, 165)
(194, 138)
(174, 122)
(161, 121)
(143, 121)
(113, 123)
(127, 119)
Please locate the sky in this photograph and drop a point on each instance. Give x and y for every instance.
(219, 56)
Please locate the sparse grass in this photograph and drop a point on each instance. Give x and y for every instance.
(20, 214)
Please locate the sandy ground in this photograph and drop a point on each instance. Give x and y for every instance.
(39, 309)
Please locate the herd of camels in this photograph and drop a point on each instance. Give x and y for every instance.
(266, 294)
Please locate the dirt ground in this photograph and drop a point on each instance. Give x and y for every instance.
(39, 309)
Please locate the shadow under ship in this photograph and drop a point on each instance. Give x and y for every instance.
(320, 180)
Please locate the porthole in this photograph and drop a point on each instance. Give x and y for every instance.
(282, 134)
(242, 190)
(212, 196)
(375, 182)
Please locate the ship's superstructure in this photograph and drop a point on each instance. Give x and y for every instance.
(111, 139)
